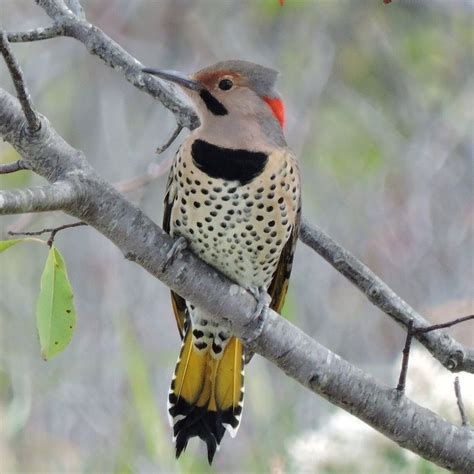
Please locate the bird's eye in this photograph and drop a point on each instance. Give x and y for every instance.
(225, 84)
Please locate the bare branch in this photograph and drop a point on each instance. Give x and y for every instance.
(39, 158)
(36, 34)
(53, 231)
(13, 167)
(406, 355)
(34, 122)
(56, 9)
(99, 44)
(76, 7)
(170, 141)
(443, 325)
(450, 353)
(52, 197)
(462, 412)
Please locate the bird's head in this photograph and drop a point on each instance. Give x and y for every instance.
(232, 89)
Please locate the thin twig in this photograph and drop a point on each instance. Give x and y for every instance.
(37, 34)
(443, 325)
(406, 354)
(34, 123)
(411, 331)
(13, 167)
(170, 141)
(457, 391)
(53, 231)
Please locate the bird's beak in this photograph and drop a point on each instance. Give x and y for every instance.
(176, 77)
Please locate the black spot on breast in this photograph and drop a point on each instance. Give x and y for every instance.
(212, 104)
(197, 333)
(226, 163)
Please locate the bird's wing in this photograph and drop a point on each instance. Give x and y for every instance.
(179, 304)
(281, 278)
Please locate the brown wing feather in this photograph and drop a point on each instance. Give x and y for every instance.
(179, 304)
(281, 278)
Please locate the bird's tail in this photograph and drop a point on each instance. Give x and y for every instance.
(206, 394)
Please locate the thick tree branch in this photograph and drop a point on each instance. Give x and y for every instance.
(453, 355)
(35, 149)
(99, 44)
(52, 197)
(300, 357)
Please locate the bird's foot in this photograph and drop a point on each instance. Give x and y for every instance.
(178, 246)
(255, 325)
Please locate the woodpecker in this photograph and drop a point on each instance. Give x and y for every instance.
(234, 194)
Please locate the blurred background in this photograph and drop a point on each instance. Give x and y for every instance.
(380, 113)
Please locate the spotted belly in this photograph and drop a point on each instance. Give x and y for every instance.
(240, 230)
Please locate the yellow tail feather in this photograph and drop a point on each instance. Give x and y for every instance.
(206, 395)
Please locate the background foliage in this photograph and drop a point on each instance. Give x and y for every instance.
(380, 112)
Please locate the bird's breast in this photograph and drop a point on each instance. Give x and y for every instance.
(238, 225)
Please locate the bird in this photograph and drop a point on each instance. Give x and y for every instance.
(234, 196)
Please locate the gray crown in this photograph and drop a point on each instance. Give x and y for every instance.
(261, 79)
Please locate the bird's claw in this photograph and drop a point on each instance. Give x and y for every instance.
(255, 325)
(179, 245)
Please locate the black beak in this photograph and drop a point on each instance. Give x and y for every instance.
(176, 77)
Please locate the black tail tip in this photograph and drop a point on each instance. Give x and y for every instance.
(182, 442)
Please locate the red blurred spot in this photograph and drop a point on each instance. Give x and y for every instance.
(278, 109)
(281, 2)
(387, 1)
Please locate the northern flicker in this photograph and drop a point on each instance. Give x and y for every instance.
(234, 194)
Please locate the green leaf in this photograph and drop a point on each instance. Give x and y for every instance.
(55, 311)
(6, 244)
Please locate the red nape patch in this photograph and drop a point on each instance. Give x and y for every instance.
(278, 108)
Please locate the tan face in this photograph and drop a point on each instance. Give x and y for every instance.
(231, 90)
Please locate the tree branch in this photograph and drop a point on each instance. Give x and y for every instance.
(13, 167)
(169, 142)
(17, 75)
(453, 355)
(99, 44)
(300, 357)
(462, 412)
(52, 231)
(36, 34)
(52, 197)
